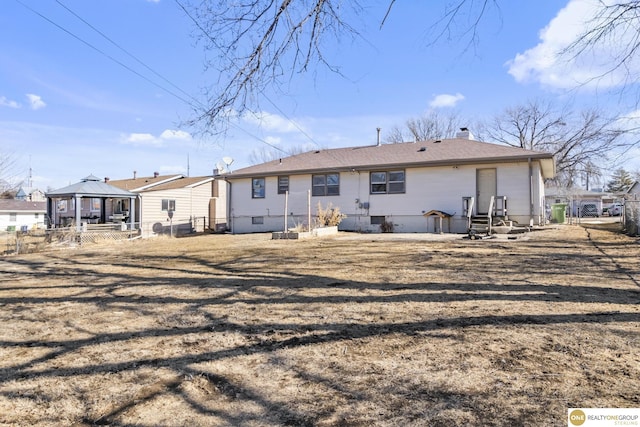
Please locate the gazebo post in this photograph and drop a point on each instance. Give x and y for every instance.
(78, 213)
(51, 213)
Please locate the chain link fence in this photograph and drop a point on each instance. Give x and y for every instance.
(36, 240)
(632, 217)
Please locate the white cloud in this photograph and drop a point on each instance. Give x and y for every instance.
(147, 139)
(142, 139)
(4, 102)
(35, 101)
(170, 134)
(271, 122)
(445, 100)
(544, 64)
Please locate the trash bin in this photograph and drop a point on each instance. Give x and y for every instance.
(558, 213)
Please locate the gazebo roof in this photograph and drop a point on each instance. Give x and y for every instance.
(90, 186)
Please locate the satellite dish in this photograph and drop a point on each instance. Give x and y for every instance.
(227, 160)
(220, 167)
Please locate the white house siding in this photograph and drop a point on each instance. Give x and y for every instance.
(189, 203)
(426, 188)
(513, 182)
(218, 206)
(23, 220)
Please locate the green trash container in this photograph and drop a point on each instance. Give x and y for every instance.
(558, 213)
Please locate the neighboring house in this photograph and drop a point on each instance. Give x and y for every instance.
(31, 194)
(392, 183)
(577, 198)
(22, 215)
(177, 204)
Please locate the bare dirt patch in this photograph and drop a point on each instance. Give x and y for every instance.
(352, 330)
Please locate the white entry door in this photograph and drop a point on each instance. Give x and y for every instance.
(486, 186)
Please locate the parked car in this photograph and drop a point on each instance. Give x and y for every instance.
(589, 210)
(615, 209)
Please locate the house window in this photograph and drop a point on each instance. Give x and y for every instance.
(387, 182)
(378, 220)
(95, 204)
(13, 217)
(62, 205)
(168, 204)
(283, 184)
(257, 188)
(326, 185)
(257, 220)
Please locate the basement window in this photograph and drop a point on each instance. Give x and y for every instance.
(378, 220)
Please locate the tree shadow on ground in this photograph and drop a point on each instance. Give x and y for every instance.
(219, 294)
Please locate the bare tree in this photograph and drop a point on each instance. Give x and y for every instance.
(261, 43)
(9, 173)
(461, 20)
(581, 142)
(432, 125)
(258, 44)
(613, 24)
(265, 154)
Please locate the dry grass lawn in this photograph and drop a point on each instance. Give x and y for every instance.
(352, 330)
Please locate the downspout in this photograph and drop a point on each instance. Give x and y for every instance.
(139, 208)
(132, 213)
(530, 193)
(229, 208)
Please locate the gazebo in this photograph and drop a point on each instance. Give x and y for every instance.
(90, 201)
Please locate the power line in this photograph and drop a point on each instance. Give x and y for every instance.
(190, 102)
(135, 58)
(196, 101)
(103, 53)
(197, 24)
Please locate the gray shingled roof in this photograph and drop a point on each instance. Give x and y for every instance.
(407, 154)
(90, 186)
(184, 182)
(12, 205)
(143, 183)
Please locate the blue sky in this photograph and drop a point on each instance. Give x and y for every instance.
(73, 104)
